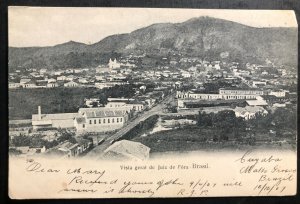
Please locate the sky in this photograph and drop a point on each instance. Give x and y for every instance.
(48, 26)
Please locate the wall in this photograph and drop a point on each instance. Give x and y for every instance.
(102, 127)
(64, 123)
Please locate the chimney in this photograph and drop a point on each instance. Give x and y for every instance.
(40, 112)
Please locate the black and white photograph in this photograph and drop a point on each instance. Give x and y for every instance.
(133, 86)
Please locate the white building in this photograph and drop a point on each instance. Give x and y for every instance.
(52, 84)
(43, 71)
(83, 80)
(58, 73)
(71, 84)
(240, 91)
(249, 112)
(59, 120)
(186, 74)
(101, 85)
(112, 64)
(61, 78)
(256, 84)
(51, 80)
(128, 106)
(223, 94)
(90, 102)
(100, 119)
(28, 84)
(258, 102)
(13, 85)
(279, 93)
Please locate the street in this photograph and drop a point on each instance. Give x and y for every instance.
(158, 109)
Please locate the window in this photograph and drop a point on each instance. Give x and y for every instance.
(104, 120)
(99, 121)
(113, 120)
(95, 121)
(121, 119)
(83, 125)
(90, 121)
(117, 120)
(108, 120)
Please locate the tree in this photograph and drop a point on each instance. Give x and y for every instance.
(21, 140)
(224, 119)
(65, 136)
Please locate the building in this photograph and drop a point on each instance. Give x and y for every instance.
(13, 85)
(279, 105)
(100, 119)
(130, 105)
(222, 95)
(119, 99)
(198, 103)
(61, 78)
(101, 85)
(83, 80)
(271, 99)
(70, 149)
(113, 64)
(115, 104)
(51, 80)
(59, 120)
(83, 145)
(278, 93)
(29, 150)
(258, 102)
(256, 84)
(43, 71)
(186, 74)
(70, 78)
(127, 150)
(225, 91)
(249, 112)
(58, 73)
(52, 84)
(71, 84)
(27, 83)
(102, 70)
(92, 102)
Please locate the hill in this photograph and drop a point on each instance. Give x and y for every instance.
(204, 37)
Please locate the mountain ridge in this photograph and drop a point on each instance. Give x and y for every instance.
(205, 37)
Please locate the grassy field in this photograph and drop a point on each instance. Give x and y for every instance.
(24, 102)
(192, 139)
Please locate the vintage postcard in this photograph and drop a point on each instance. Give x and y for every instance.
(146, 102)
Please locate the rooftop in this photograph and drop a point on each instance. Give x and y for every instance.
(56, 116)
(129, 149)
(67, 146)
(101, 112)
(241, 88)
(251, 109)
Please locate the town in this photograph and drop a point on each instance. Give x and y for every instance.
(130, 107)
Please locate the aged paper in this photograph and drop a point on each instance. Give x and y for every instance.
(203, 174)
(147, 103)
